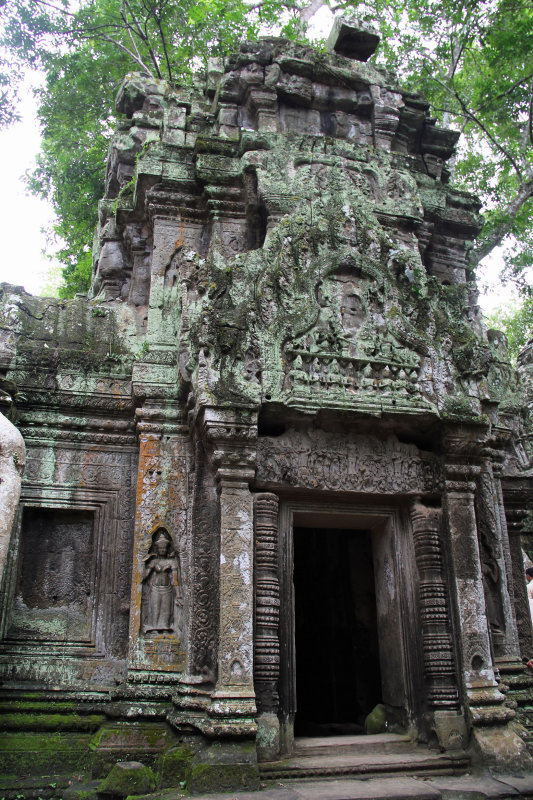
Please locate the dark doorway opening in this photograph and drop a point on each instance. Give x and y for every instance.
(338, 679)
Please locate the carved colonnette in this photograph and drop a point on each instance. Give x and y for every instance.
(439, 653)
(266, 621)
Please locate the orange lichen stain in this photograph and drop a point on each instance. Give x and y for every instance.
(180, 241)
(149, 456)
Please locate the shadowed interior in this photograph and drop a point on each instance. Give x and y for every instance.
(338, 679)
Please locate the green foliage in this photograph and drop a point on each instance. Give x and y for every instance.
(516, 321)
(473, 59)
(85, 48)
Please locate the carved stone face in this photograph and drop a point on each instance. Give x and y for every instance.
(161, 547)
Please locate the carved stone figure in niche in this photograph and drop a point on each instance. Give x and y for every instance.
(491, 584)
(160, 579)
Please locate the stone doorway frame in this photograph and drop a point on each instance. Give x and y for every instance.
(400, 641)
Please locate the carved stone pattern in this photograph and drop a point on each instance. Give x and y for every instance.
(439, 663)
(491, 559)
(236, 636)
(514, 518)
(267, 603)
(352, 466)
(204, 573)
(65, 467)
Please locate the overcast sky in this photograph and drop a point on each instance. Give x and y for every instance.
(24, 217)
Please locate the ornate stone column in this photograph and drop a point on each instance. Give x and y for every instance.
(439, 657)
(231, 436)
(485, 703)
(266, 638)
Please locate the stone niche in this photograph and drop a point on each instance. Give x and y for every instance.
(274, 448)
(54, 591)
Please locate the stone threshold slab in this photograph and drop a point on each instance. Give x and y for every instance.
(468, 787)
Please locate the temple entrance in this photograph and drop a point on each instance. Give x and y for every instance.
(349, 627)
(338, 680)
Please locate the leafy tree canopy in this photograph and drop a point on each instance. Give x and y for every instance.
(517, 323)
(473, 59)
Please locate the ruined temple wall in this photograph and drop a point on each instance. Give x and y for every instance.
(282, 318)
(69, 572)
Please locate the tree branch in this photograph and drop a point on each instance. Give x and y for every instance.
(307, 11)
(143, 37)
(125, 8)
(130, 34)
(55, 8)
(163, 42)
(501, 95)
(524, 193)
(472, 116)
(123, 47)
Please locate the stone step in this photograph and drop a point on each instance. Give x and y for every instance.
(417, 761)
(328, 745)
(49, 785)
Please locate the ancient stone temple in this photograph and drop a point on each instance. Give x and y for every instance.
(277, 471)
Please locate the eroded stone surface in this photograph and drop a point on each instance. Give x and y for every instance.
(282, 334)
(12, 463)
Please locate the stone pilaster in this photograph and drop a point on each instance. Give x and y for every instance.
(266, 639)
(177, 229)
(157, 648)
(264, 102)
(496, 563)
(516, 503)
(167, 227)
(231, 436)
(485, 703)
